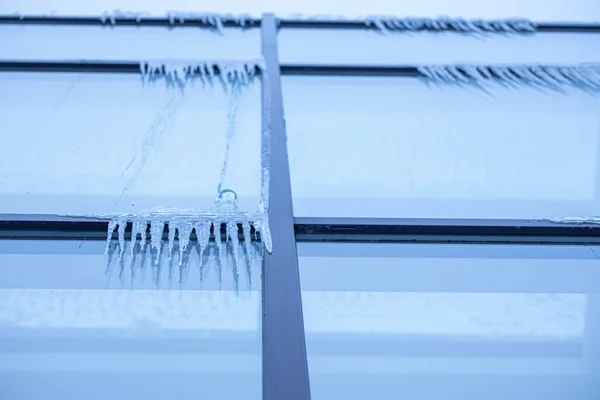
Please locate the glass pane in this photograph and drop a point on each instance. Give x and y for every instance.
(366, 47)
(68, 331)
(125, 43)
(105, 143)
(394, 147)
(540, 10)
(392, 321)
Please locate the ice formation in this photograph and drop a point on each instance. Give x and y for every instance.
(442, 24)
(580, 76)
(229, 71)
(576, 220)
(112, 16)
(224, 224)
(239, 226)
(214, 20)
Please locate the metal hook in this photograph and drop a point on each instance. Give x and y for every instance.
(227, 204)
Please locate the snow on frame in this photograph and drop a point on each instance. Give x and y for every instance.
(584, 76)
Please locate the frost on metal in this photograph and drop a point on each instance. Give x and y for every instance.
(576, 220)
(556, 77)
(225, 235)
(178, 72)
(215, 21)
(239, 226)
(446, 24)
(112, 16)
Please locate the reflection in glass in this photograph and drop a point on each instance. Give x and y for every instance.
(67, 329)
(439, 321)
(395, 147)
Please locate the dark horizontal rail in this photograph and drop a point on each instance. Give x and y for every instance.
(81, 66)
(132, 67)
(444, 231)
(350, 70)
(409, 230)
(114, 67)
(122, 21)
(65, 228)
(542, 27)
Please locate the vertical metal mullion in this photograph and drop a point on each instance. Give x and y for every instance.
(284, 363)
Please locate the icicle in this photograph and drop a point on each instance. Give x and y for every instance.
(262, 226)
(217, 233)
(157, 228)
(172, 228)
(232, 234)
(111, 229)
(121, 231)
(136, 229)
(185, 230)
(203, 234)
(246, 230)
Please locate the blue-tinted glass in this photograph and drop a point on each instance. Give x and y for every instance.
(394, 147)
(450, 321)
(89, 143)
(369, 47)
(66, 330)
(126, 43)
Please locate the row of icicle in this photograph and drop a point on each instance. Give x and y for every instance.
(214, 20)
(184, 231)
(228, 71)
(582, 76)
(384, 23)
(447, 24)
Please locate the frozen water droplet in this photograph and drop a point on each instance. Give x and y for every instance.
(172, 228)
(246, 231)
(121, 230)
(232, 233)
(217, 234)
(136, 229)
(156, 230)
(203, 234)
(185, 230)
(111, 229)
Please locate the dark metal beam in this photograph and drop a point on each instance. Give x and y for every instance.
(351, 70)
(89, 66)
(408, 230)
(54, 227)
(285, 367)
(122, 21)
(541, 27)
(397, 230)
(133, 67)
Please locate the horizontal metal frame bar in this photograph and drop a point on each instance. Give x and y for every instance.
(50, 227)
(132, 67)
(81, 66)
(121, 21)
(412, 230)
(351, 70)
(541, 27)
(396, 230)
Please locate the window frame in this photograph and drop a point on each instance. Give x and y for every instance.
(284, 359)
